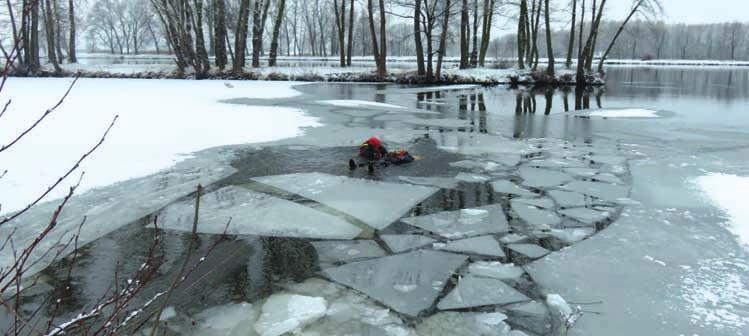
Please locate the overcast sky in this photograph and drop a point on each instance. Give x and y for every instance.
(692, 11)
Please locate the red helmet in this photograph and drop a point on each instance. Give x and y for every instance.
(374, 142)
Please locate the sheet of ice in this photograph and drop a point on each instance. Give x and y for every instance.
(513, 238)
(354, 196)
(542, 178)
(359, 103)
(283, 313)
(568, 199)
(545, 203)
(401, 243)
(605, 191)
(437, 123)
(573, 235)
(614, 160)
(624, 113)
(535, 217)
(532, 251)
(407, 283)
(484, 245)
(495, 270)
(439, 182)
(160, 122)
(472, 178)
(255, 213)
(510, 188)
(729, 192)
(482, 166)
(109, 208)
(557, 163)
(480, 144)
(441, 88)
(463, 223)
(506, 159)
(234, 319)
(584, 172)
(473, 291)
(532, 315)
(464, 324)
(608, 178)
(334, 251)
(585, 215)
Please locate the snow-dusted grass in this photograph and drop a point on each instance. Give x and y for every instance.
(624, 113)
(729, 192)
(160, 123)
(359, 103)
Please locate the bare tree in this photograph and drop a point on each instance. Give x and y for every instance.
(571, 44)
(350, 46)
(72, 58)
(49, 24)
(649, 5)
(549, 47)
(219, 31)
(486, 29)
(443, 38)
(276, 28)
(464, 34)
(240, 35)
(379, 50)
(340, 22)
(259, 15)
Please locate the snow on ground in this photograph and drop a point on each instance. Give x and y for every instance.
(729, 192)
(624, 113)
(359, 103)
(160, 122)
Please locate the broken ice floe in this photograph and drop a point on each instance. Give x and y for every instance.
(334, 251)
(585, 215)
(473, 291)
(535, 217)
(400, 243)
(439, 182)
(283, 313)
(354, 196)
(607, 192)
(533, 316)
(495, 270)
(359, 104)
(542, 178)
(234, 319)
(255, 213)
(472, 178)
(407, 283)
(531, 251)
(463, 223)
(544, 203)
(623, 113)
(464, 324)
(573, 235)
(482, 166)
(507, 187)
(568, 199)
(484, 245)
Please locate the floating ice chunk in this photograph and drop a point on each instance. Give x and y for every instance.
(255, 213)
(567, 199)
(531, 251)
(535, 217)
(509, 160)
(624, 113)
(513, 238)
(585, 215)
(473, 291)
(463, 223)
(533, 316)
(354, 196)
(608, 159)
(378, 278)
(507, 187)
(472, 178)
(544, 203)
(464, 324)
(558, 163)
(608, 178)
(495, 270)
(168, 313)
(484, 245)
(344, 251)
(572, 236)
(484, 166)
(542, 178)
(283, 313)
(604, 191)
(560, 306)
(729, 193)
(582, 172)
(400, 243)
(233, 319)
(439, 182)
(359, 104)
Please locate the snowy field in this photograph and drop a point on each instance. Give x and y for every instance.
(160, 122)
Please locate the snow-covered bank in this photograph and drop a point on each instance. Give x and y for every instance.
(160, 122)
(729, 192)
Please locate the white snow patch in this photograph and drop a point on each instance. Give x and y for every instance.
(161, 122)
(729, 192)
(624, 113)
(358, 103)
(649, 258)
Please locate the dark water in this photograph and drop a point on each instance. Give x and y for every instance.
(249, 268)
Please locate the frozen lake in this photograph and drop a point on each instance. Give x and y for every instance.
(624, 200)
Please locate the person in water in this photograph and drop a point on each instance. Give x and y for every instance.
(370, 151)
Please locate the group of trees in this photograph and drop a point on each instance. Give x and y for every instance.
(206, 34)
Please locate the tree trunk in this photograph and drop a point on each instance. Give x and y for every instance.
(549, 47)
(443, 39)
(49, 24)
(202, 53)
(25, 57)
(580, 73)
(58, 31)
(464, 34)
(521, 33)
(350, 47)
(373, 34)
(340, 22)
(571, 44)
(219, 30)
(618, 32)
(34, 40)
(276, 28)
(382, 69)
(486, 30)
(417, 39)
(257, 38)
(591, 43)
(240, 37)
(72, 58)
(534, 35)
(474, 51)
